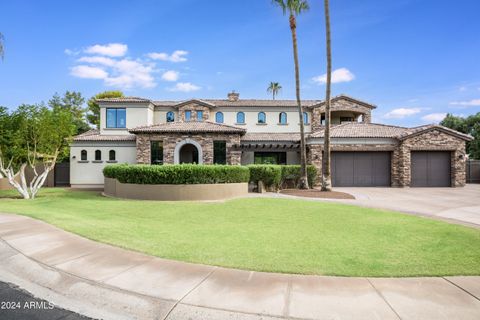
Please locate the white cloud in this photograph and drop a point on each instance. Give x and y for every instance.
(434, 117)
(400, 113)
(338, 75)
(170, 75)
(470, 103)
(132, 73)
(176, 56)
(462, 89)
(98, 60)
(88, 72)
(111, 49)
(185, 87)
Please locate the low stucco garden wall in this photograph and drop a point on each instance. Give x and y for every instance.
(174, 192)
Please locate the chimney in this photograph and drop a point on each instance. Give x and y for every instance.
(233, 96)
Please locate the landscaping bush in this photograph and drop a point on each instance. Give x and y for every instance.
(292, 172)
(270, 175)
(177, 174)
(276, 176)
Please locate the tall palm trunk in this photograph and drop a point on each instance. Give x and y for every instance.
(327, 178)
(303, 183)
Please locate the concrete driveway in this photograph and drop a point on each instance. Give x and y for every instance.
(455, 204)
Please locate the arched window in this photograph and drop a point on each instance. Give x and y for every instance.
(98, 155)
(262, 118)
(282, 118)
(83, 155)
(219, 117)
(305, 118)
(170, 116)
(240, 117)
(111, 155)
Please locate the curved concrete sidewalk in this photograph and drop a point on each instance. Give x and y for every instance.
(107, 282)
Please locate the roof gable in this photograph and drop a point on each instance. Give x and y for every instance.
(346, 98)
(424, 129)
(195, 101)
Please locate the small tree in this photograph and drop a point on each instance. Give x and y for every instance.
(94, 116)
(33, 136)
(274, 88)
(73, 102)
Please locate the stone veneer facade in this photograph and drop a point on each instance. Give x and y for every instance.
(170, 140)
(340, 105)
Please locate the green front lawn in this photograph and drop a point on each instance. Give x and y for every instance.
(277, 235)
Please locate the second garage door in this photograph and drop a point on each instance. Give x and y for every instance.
(361, 169)
(430, 169)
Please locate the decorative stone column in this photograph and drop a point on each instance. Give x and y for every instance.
(314, 157)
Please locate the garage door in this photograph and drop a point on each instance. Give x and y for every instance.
(430, 169)
(361, 169)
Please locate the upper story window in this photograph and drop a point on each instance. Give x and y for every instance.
(219, 117)
(240, 117)
(188, 115)
(98, 155)
(322, 120)
(305, 118)
(170, 116)
(116, 118)
(199, 115)
(282, 118)
(112, 155)
(346, 119)
(262, 117)
(83, 155)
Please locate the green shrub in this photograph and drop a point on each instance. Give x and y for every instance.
(177, 174)
(269, 174)
(292, 172)
(276, 176)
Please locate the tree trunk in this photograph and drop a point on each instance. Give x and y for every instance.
(326, 177)
(20, 186)
(303, 183)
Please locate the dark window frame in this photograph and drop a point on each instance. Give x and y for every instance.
(189, 113)
(98, 155)
(217, 115)
(117, 124)
(83, 155)
(264, 115)
(170, 116)
(112, 155)
(277, 157)
(220, 152)
(282, 118)
(242, 115)
(156, 153)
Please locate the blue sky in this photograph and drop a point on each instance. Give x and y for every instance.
(415, 59)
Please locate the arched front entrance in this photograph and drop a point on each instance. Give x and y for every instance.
(188, 154)
(188, 151)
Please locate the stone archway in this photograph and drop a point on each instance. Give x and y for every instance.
(188, 151)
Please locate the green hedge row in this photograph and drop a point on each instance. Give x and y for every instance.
(177, 174)
(276, 176)
(273, 176)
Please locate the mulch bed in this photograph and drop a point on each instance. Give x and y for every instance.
(314, 193)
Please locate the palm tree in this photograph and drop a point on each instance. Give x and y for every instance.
(274, 88)
(1, 45)
(326, 176)
(294, 8)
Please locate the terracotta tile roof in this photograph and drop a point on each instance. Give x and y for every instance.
(94, 135)
(362, 130)
(189, 126)
(271, 137)
(238, 103)
(346, 97)
(124, 99)
(417, 130)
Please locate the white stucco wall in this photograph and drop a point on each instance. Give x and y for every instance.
(89, 174)
(272, 125)
(137, 115)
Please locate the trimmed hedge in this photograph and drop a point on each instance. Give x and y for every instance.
(292, 172)
(269, 174)
(275, 176)
(177, 174)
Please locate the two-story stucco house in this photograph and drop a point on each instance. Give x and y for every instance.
(243, 131)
